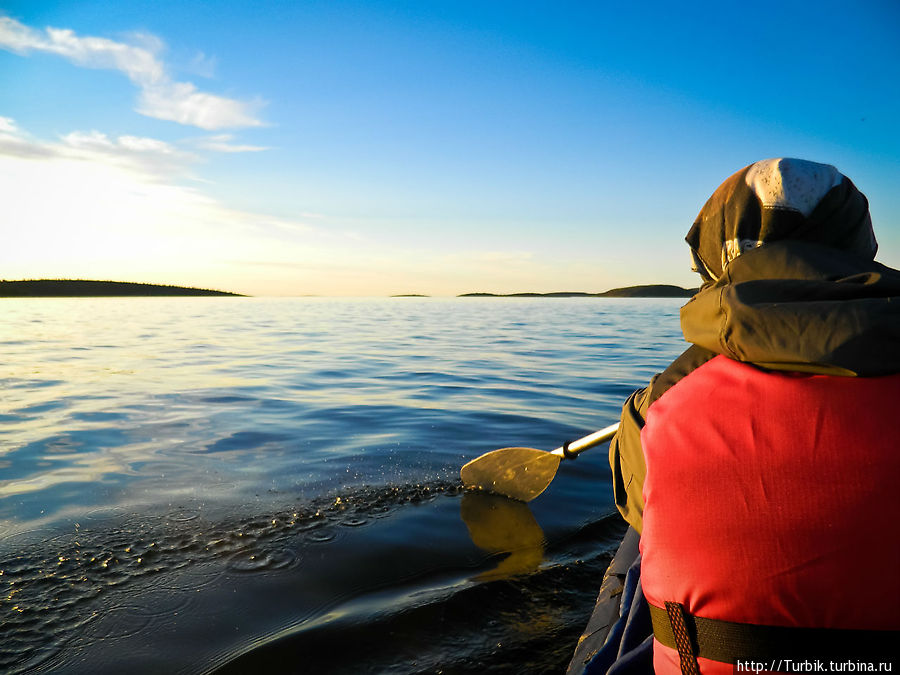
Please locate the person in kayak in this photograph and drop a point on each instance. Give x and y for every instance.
(761, 467)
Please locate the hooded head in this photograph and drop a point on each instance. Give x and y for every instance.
(778, 199)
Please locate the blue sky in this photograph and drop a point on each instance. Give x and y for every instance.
(373, 148)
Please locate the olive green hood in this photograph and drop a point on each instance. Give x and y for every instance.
(786, 249)
(801, 307)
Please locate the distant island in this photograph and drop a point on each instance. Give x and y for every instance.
(647, 291)
(73, 288)
(83, 288)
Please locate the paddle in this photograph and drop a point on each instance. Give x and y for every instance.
(524, 473)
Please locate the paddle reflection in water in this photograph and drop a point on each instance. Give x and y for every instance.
(498, 525)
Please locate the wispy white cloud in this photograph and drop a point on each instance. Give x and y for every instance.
(223, 143)
(139, 63)
(139, 60)
(181, 102)
(14, 143)
(150, 157)
(203, 65)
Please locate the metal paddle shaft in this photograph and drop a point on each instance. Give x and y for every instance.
(524, 473)
(573, 448)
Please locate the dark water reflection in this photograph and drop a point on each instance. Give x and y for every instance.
(272, 485)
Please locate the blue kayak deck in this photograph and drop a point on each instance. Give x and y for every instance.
(607, 609)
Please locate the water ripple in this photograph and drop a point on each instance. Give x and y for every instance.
(49, 586)
(150, 445)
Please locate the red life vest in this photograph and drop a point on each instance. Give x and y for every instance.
(773, 499)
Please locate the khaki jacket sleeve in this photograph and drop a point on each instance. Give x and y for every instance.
(626, 454)
(626, 458)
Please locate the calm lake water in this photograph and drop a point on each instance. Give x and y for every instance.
(239, 485)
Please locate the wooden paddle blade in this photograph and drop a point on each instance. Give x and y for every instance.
(518, 473)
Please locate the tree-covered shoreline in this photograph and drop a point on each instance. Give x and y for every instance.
(70, 288)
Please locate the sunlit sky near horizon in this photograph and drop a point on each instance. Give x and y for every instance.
(372, 148)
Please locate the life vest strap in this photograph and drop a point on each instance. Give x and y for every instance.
(730, 642)
(687, 647)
